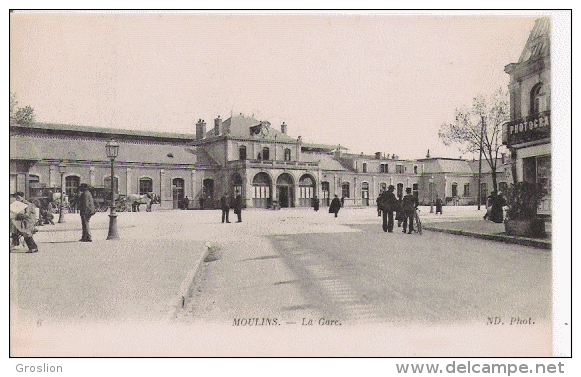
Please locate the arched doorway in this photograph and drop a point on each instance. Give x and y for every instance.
(285, 190)
(72, 183)
(177, 192)
(365, 193)
(307, 190)
(261, 185)
(207, 193)
(325, 190)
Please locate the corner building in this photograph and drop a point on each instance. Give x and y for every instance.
(528, 134)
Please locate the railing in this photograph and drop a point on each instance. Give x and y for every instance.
(274, 164)
(531, 128)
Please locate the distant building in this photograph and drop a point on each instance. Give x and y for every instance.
(528, 134)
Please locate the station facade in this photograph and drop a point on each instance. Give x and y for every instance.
(236, 156)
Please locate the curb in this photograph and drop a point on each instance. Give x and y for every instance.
(181, 300)
(496, 237)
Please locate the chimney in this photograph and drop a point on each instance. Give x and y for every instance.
(378, 155)
(217, 126)
(283, 128)
(428, 154)
(200, 129)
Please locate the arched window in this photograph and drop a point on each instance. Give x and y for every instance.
(400, 190)
(265, 153)
(145, 185)
(287, 154)
(345, 190)
(242, 152)
(454, 189)
(536, 99)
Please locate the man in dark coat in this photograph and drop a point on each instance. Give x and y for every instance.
(496, 214)
(409, 204)
(387, 203)
(86, 207)
(335, 206)
(438, 205)
(378, 206)
(315, 203)
(225, 208)
(238, 207)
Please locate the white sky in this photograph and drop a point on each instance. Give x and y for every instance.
(371, 82)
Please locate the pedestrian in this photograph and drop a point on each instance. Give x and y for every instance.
(342, 200)
(225, 208)
(438, 205)
(201, 202)
(399, 211)
(489, 200)
(335, 206)
(378, 206)
(149, 196)
(409, 204)
(496, 213)
(387, 204)
(186, 203)
(315, 203)
(22, 222)
(238, 207)
(86, 207)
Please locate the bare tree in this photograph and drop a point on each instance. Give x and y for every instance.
(479, 128)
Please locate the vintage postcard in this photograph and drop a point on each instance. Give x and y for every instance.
(277, 184)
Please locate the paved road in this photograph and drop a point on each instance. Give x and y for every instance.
(359, 274)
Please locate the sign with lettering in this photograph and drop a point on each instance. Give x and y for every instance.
(532, 128)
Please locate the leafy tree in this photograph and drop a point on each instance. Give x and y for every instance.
(22, 115)
(25, 115)
(486, 115)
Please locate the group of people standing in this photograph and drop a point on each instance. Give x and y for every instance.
(404, 209)
(494, 207)
(225, 204)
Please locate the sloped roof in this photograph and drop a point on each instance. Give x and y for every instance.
(23, 147)
(538, 43)
(326, 162)
(485, 166)
(446, 165)
(321, 147)
(101, 131)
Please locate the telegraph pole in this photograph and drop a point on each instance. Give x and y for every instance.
(482, 125)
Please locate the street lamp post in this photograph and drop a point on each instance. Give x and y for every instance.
(432, 194)
(62, 170)
(112, 149)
